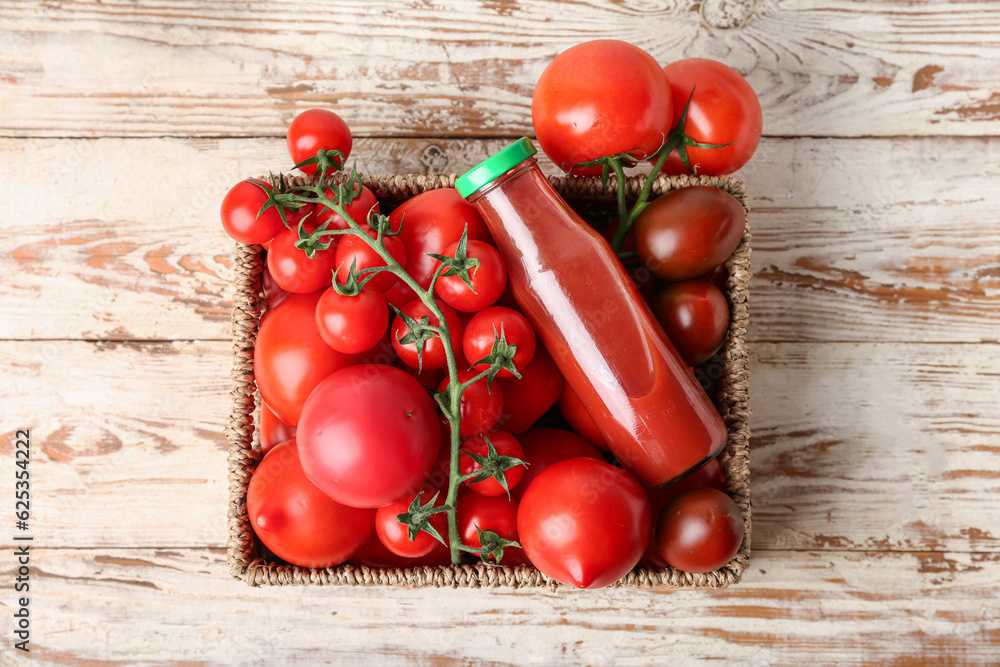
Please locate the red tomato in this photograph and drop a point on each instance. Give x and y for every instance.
(399, 294)
(433, 221)
(272, 290)
(481, 405)
(496, 513)
(584, 522)
(505, 445)
(719, 276)
(724, 110)
(544, 446)
(297, 521)
(429, 377)
(374, 554)
(686, 232)
(293, 270)
(573, 411)
(352, 324)
(488, 279)
(239, 212)
(600, 98)
(314, 129)
(433, 354)
(395, 536)
(711, 475)
(354, 249)
(369, 435)
(483, 328)
(695, 315)
(700, 530)
(272, 430)
(291, 358)
(363, 204)
(527, 399)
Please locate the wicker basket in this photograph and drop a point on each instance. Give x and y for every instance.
(730, 395)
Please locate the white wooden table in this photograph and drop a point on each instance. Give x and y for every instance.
(875, 200)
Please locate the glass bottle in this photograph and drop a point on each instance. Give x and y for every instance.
(655, 417)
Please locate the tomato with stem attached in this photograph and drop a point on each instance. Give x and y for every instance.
(487, 280)
(505, 445)
(352, 323)
(484, 329)
(316, 129)
(432, 352)
(481, 404)
(355, 251)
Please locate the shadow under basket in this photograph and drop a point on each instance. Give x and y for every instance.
(727, 371)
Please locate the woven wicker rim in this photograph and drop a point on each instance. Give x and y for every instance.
(732, 400)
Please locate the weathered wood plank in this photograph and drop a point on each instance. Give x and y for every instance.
(467, 69)
(856, 446)
(122, 606)
(900, 245)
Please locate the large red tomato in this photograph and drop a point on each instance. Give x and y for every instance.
(600, 98)
(290, 357)
(432, 221)
(297, 521)
(584, 522)
(369, 435)
(724, 110)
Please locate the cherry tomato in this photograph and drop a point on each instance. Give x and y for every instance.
(354, 249)
(700, 530)
(695, 315)
(724, 110)
(505, 445)
(395, 536)
(293, 270)
(433, 354)
(600, 98)
(369, 435)
(239, 212)
(527, 399)
(291, 358)
(314, 129)
(573, 411)
(359, 208)
(272, 430)
(496, 513)
(544, 446)
(433, 221)
(296, 520)
(352, 324)
(686, 232)
(711, 475)
(490, 322)
(481, 405)
(584, 522)
(374, 554)
(488, 279)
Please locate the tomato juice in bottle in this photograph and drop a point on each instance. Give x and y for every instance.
(654, 415)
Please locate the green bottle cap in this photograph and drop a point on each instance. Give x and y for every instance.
(494, 166)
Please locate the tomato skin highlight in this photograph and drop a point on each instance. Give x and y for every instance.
(291, 358)
(369, 435)
(724, 109)
(314, 129)
(695, 315)
(432, 221)
(700, 530)
(296, 520)
(584, 522)
(689, 231)
(600, 98)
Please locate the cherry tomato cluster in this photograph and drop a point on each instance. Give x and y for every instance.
(410, 416)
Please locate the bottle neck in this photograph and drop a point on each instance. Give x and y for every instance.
(513, 172)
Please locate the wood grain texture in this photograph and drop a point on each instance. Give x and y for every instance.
(460, 68)
(899, 246)
(855, 446)
(120, 606)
